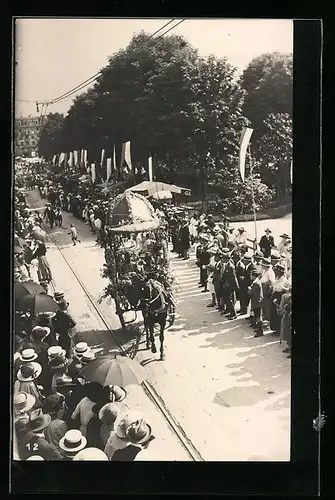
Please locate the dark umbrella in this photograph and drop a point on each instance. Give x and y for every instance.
(114, 370)
(27, 288)
(39, 235)
(37, 304)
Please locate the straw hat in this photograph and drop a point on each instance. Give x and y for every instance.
(123, 422)
(55, 350)
(72, 441)
(23, 402)
(28, 355)
(266, 262)
(91, 454)
(40, 332)
(139, 432)
(81, 348)
(29, 372)
(88, 356)
(111, 411)
(35, 457)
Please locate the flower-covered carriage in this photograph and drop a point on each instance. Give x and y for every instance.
(136, 252)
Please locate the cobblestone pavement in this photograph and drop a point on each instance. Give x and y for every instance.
(229, 391)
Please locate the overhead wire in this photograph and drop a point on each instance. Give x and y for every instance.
(94, 77)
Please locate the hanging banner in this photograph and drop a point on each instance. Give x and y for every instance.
(109, 168)
(70, 160)
(150, 169)
(61, 159)
(93, 172)
(114, 160)
(102, 159)
(143, 171)
(75, 158)
(291, 172)
(85, 157)
(244, 141)
(54, 160)
(127, 155)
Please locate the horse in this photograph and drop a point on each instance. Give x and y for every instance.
(154, 302)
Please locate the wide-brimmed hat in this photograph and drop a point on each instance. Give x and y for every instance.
(58, 296)
(139, 432)
(267, 230)
(88, 356)
(38, 420)
(81, 348)
(29, 372)
(246, 257)
(258, 254)
(53, 403)
(21, 425)
(72, 441)
(241, 229)
(65, 382)
(125, 420)
(266, 262)
(35, 457)
(91, 454)
(111, 411)
(23, 402)
(56, 350)
(284, 235)
(28, 355)
(40, 332)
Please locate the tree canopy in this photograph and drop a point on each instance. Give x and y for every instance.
(184, 110)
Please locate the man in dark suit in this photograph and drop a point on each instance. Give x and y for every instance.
(185, 239)
(249, 268)
(266, 243)
(241, 275)
(229, 284)
(256, 297)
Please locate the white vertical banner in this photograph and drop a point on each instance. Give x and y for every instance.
(85, 157)
(75, 158)
(103, 152)
(54, 159)
(150, 169)
(114, 159)
(123, 165)
(127, 156)
(81, 157)
(70, 160)
(93, 172)
(109, 168)
(244, 141)
(291, 172)
(61, 159)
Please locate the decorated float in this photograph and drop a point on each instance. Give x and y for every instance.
(136, 251)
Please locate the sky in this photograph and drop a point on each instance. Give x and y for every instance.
(54, 55)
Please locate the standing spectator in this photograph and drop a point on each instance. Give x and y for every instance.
(23, 404)
(63, 324)
(256, 297)
(26, 377)
(249, 267)
(84, 409)
(74, 235)
(266, 243)
(242, 280)
(284, 243)
(286, 319)
(203, 259)
(241, 237)
(108, 415)
(58, 218)
(210, 221)
(229, 284)
(72, 442)
(44, 271)
(57, 428)
(267, 281)
(90, 454)
(185, 239)
(280, 286)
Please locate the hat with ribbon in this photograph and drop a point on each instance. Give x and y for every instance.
(38, 420)
(58, 296)
(29, 372)
(40, 332)
(267, 230)
(56, 350)
(266, 262)
(81, 348)
(284, 235)
(35, 457)
(73, 441)
(28, 355)
(241, 229)
(23, 402)
(88, 356)
(139, 432)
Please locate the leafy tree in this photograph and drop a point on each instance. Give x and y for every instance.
(50, 140)
(268, 82)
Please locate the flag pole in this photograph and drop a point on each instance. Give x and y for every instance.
(253, 195)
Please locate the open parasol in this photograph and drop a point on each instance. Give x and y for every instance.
(114, 370)
(27, 288)
(37, 304)
(162, 195)
(131, 212)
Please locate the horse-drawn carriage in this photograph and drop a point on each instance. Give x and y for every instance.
(136, 264)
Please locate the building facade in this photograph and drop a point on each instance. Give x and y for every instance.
(26, 135)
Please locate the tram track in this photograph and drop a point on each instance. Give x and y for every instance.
(148, 388)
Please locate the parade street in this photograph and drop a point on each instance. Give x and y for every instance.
(229, 391)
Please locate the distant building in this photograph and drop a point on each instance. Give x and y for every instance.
(26, 135)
